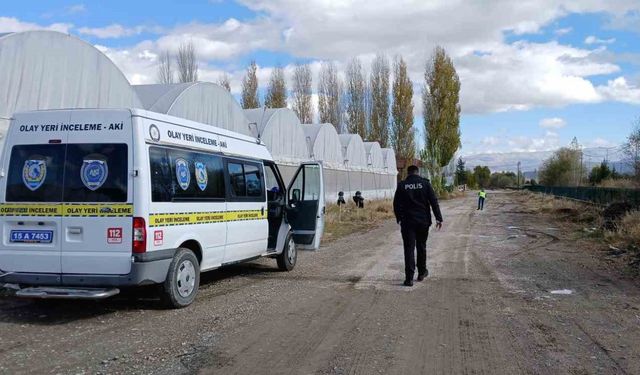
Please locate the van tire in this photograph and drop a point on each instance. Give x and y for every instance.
(183, 279)
(287, 259)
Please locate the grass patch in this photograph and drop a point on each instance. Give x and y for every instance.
(340, 222)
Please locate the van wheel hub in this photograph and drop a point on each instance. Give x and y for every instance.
(186, 278)
(291, 252)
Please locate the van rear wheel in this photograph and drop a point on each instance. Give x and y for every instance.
(287, 259)
(183, 279)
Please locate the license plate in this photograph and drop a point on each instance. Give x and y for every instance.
(32, 236)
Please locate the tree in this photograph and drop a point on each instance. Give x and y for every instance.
(225, 81)
(329, 89)
(441, 112)
(482, 176)
(250, 87)
(165, 68)
(187, 63)
(302, 105)
(402, 134)
(277, 90)
(470, 177)
(379, 91)
(560, 168)
(355, 97)
(501, 180)
(600, 173)
(460, 174)
(631, 149)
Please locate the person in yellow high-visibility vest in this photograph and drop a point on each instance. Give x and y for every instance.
(481, 197)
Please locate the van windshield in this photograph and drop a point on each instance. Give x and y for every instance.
(68, 173)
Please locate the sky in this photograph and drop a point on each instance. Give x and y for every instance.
(534, 73)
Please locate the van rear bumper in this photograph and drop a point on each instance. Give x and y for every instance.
(142, 273)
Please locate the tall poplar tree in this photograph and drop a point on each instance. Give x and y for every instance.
(250, 87)
(379, 91)
(302, 105)
(329, 96)
(402, 133)
(277, 91)
(355, 98)
(441, 112)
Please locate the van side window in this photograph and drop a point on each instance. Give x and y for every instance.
(179, 175)
(246, 180)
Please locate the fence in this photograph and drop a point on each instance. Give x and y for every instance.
(596, 195)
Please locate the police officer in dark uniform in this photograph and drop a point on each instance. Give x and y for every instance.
(412, 206)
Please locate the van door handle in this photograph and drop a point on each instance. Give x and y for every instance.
(262, 212)
(74, 230)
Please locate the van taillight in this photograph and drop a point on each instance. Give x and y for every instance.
(139, 235)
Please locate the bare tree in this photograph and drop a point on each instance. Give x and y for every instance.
(225, 81)
(165, 68)
(277, 90)
(250, 87)
(631, 149)
(379, 88)
(302, 105)
(329, 90)
(355, 98)
(402, 133)
(187, 63)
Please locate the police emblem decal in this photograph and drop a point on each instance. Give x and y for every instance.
(201, 175)
(94, 173)
(182, 173)
(33, 173)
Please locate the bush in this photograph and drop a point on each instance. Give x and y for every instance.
(560, 169)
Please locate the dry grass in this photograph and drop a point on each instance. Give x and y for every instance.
(620, 183)
(340, 222)
(628, 232)
(565, 209)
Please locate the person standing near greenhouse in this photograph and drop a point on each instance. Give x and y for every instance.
(482, 195)
(412, 206)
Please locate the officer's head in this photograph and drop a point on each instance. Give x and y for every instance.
(412, 170)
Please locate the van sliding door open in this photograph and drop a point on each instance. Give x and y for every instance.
(307, 206)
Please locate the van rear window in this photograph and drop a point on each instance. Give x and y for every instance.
(68, 173)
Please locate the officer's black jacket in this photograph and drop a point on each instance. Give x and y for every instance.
(414, 200)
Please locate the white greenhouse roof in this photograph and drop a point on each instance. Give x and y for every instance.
(375, 159)
(281, 132)
(202, 102)
(353, 150)
(324, 144)
(389, 157)
(52, 70)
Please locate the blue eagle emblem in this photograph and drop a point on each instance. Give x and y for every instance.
(201, 175)
(94, 173)
(182, 173)
(33, 173)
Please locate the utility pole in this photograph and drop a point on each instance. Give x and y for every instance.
(518, 176)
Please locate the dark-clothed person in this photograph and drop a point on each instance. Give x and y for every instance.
(412, 205)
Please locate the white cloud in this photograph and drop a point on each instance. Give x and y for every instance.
(550, 141)
(553, 123)
(75, 9)
(563, 31)
(112, 31)
(620, 90)
(593, 40)
(14, 25)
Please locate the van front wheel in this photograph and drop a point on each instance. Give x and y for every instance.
(287, 259)
(183, 279)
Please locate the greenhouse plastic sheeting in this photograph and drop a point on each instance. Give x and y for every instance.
(51, 70)
(202, 102)
(281, 132)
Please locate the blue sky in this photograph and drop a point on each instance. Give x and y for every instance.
(534, 74)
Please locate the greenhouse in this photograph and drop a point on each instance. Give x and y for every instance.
(202, 102)
(75, 74)
(52, 70)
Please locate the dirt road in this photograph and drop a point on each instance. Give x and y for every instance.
(508, 292)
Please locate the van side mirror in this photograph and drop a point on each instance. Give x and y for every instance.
(295, 195)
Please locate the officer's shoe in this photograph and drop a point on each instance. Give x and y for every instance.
(408, 283)
(422, 276)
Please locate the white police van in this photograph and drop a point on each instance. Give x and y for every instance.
(93, 200)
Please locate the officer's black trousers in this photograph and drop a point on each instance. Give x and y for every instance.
(414, 237)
